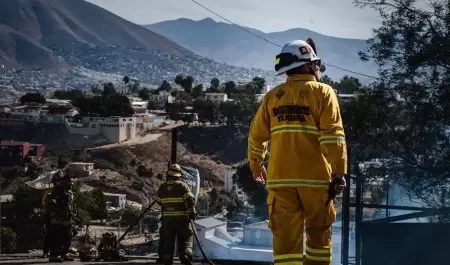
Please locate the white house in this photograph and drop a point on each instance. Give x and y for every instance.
(58, 114)
(139, 106)
(116, 200)
(216, 97)
(114, 129)
(161, 99)
(27, 112)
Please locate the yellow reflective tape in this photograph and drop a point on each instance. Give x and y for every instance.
(331, 139)
(256, 150)
(288, 256)
(276, 183)
(324, 254)
(171, 200)
(289, 259)
(178, 213)
(318, 258)
(277, 60)
(188, 195)
(294, 128)
(322, 250)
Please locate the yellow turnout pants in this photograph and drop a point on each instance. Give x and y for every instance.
(291, 210)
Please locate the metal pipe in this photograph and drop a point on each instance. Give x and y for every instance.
(173, 154)
(346, 216)
(358, 217)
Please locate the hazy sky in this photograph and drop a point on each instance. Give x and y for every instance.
(330, 17)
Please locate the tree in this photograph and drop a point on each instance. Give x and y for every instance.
(134, 87)
(215, 84)
(327, 80)
(231, 111)
(144, 93)
(409, 134)
(213, 195)
(126, 80)
(165, 86)
(256, 193)
(348, 85)
(186, 82)
(230, 87)
(109, 89)
(130, 214)
(197, 91)
(96, 90)
(179, 79)
(260, 84)
(8, 239)
(28, 98)
(68, 94)
(98, 208)
(207, 111)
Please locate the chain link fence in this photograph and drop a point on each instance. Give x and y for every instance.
(23, 222)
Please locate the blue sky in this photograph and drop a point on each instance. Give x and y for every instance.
(330, 17)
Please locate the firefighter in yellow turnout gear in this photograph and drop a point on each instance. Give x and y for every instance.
(177, 206)
(302, 120)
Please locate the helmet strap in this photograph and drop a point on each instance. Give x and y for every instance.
(311, 71)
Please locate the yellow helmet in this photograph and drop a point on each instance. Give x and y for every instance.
(174, 170)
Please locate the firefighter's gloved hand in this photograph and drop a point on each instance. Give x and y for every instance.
(260, 176)
(338, 183)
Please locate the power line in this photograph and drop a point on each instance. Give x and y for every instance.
(273, 43)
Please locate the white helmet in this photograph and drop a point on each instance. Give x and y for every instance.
(295, 54)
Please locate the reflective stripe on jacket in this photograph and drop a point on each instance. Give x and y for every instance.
(302, 120)
(175, 198)
(44, 198)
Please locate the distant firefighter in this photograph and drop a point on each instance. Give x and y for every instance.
(177, 206)
(61, 214)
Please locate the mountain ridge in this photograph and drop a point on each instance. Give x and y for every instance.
(229, 44)
(70, 35)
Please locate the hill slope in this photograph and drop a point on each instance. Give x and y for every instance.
(229, 44)
(32, 25)
(51, 34)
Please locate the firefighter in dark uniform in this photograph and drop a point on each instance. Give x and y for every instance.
(161, 243)
(61, 214)
(177, 206)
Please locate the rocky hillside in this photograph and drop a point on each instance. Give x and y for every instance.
(139, 170)
(77, 36)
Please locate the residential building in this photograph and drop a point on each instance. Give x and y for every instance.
(258, 234)
(216, 97)
(36, 151)
(58, 102)
(114, 129)
(30, 113)
(58, 114)
(116, 200)
(80, 169)
(259, 97)
(4, 109)
(139, 106)
(228, 180)
(346, 97)
(14, 153)
(161, 99)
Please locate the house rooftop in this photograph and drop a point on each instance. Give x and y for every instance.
(12, 143)
(209, 222)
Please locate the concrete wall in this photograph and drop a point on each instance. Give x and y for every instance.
(257, 237)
